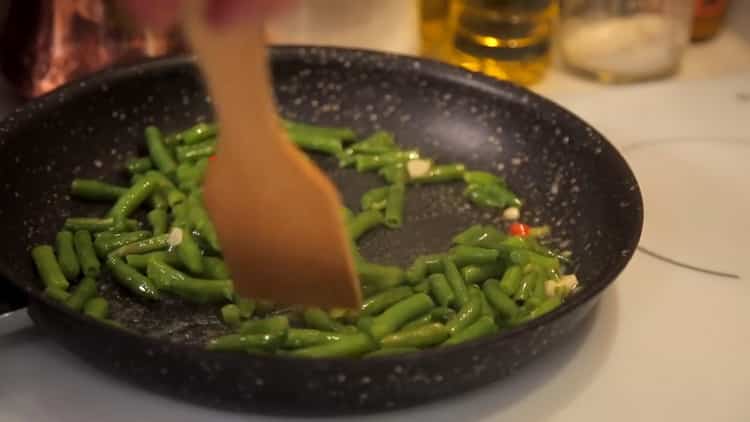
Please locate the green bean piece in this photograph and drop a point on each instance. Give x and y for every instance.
(272, 325)
(394, 173)
(319, 143)
(482, 178)
(199, 219)
(379, 277)
(399, 314)
(381, 301)
(158, 220)
(364, 323)
(48, 268)
(95, 225)
(246, 342)
(158, 200)
(204, 149)
(160, 155)
(320, 320)
(66, 255)
(422, 287)
(97, 308)
(378, 143)
(464, 255)
(348, 346)
(483, 326)
(199, 132)
(131, 279)
(191, 289)
(95, 190)
(456, 281)
(364, 222)
(394, 210)
(487, 309)
(390, 351)
(420, 337)
(189, 175)
(468, 313)
(492, 196)
(104, 243)
(139, 165)
(528, 284)
(330, 132)
(511, 280)
(442, 173)
(480, 236)
(152, 244)
(87, 258)
(230, 314)
(264, 307)
(441, 290)
(56, 294)
(434, 263)
(442, 314)
(365, 163)
(549, 305)
(246, 306)
(417, 271)
(139, 262)
(346, 158)
(189, 252)
(132, 199)
(174, 197)
(419, 322)
(85, 290)
(375, 199)
(215, 268)
(297, 338)
(474, 274)
(547, 262)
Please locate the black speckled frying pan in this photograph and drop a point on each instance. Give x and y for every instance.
(570, 177)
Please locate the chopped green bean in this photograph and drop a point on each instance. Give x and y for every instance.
(381, 301)
(365, 163)
(347, 346)
(441, 290)
(378, 143)
(375, 199)
(204, 149)
(394, 173)
(139, 165)
(152, 244)
(160, 155)
(503, 304)
(56, 294)
(394, 210)
(424, 336)
(379, 277)
(297, 338)
(456, 281)
(272, 325)
(131, 279)
(483, 326)
(364, 222)
(246, 342)
(97, 308)
(417, 271)
(189, 252)
(478, 273)
(104, 243)
(96, 224)
(301, 129)
(399, 314)
(492, 196)
(468, 313)
(198, 133)
(320, 320)
(87, 258)
(192, 289)
(66, 255)
(85, 290)
(390, 351)
(464, 255)
(441, 174)
(482, 178)
(95, 190)
(230, 314)
(48, 268)
(158, 220)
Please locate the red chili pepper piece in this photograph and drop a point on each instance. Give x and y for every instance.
(519, 229)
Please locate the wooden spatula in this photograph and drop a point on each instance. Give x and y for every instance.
(279, 219)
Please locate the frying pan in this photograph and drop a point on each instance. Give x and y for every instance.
(568, 174)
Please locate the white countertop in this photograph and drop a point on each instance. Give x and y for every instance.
(665, 343)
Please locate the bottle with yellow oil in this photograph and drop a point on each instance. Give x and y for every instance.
(507, 39)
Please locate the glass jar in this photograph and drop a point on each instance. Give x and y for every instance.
(624, 40)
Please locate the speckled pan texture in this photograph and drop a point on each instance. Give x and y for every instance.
(569, 176)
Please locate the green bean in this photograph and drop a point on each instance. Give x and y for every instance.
(246, 306)
(139, 165)
(487, 309)
(297, 338)
(158, 220)
(492, 196)
(347, 346)
(442, 314)
(97, 308)
(474, 274)
(364, 222)
(104, 243)
(132, 199)
(394, 210)
(378, 143)
(379, 277)
(375, 199)
(482, 178)
(419, 322)
(464, 255)
(319, 143)
(198, 133)
(511, 280)
(394, 173)
(215, 268)
(158, 200)
(131, 279)
(320, 320)
(56, 294)
(152, 244)
(189, 175)
(399, 314)
(230, 314)
(273, 325)
(189, 252)
(545, 307)
(434, 263)
(139, 262)
(346, 158)
(442, 173)
(264, 307)
(480, 236)
(48, 268)
(87, 258)
(441, 290)
(246, 342)
(365, 163)
(192, 289)
(96, 224)
(199, 219)
(528, 283)
(364, 323)
(85, 290)
(468, 313)
(95, 190)
(330, 132)
(204, 149)
(174, 197)
(547, 262)
(160, 155)
(456, 281)
(390, 351)
(381, 301)
(422, 287)
(424, 336)
(483, 326)
(417, 271)
(66, 255)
